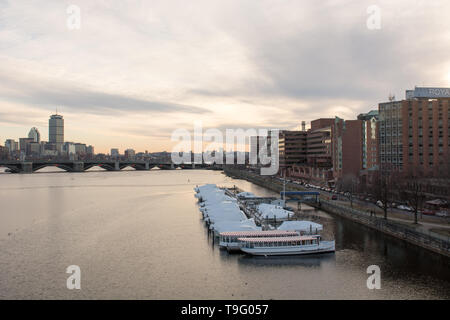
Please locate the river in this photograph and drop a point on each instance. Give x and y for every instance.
(139, 235)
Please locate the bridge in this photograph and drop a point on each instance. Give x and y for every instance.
(110, 165)
(305, 196)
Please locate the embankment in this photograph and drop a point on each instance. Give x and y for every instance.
(403, 231)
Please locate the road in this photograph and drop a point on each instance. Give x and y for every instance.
(425, 222)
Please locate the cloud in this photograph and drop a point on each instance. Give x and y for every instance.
(45, 93)
(145, 68)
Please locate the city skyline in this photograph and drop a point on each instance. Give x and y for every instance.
(228, 64)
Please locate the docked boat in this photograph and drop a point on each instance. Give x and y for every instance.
(278, 246)
(230, 240)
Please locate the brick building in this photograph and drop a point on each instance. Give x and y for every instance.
(414, 133)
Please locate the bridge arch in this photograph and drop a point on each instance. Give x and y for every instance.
(105, 166)
(58, 165)
(13, 168)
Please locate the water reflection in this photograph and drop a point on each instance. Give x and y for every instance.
(313, 260)
(140, 235)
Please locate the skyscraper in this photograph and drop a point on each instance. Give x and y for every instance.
(35, 135)
(56, 131)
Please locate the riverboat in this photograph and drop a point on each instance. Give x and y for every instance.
(229, 240)
(278, 246)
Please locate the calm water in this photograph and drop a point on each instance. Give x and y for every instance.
(139, 235)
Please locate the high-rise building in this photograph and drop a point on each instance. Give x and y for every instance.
(291, 148)
(307, 154)
(12, 145)
(414, 133)
(56, 131)
(115, 153)
(69, 149)
(4, 153)
(347, 148)
(370, 140)
(35, 135)
(260, 144)
(34, 149)
(130, 154)
(90, 150)
(319, 143)
(80, 149)
(23, 144)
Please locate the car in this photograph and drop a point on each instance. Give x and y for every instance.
(379, 204)
(334, 197)
(442, 213)
(428, 212)
(405, 208)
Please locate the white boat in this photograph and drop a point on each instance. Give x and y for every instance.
(229, 240)
(278, 246)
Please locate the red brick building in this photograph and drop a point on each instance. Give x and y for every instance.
(355, 146)
(347, 148)
(314, 161)
(414, 134)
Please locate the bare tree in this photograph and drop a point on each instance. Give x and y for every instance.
(383, 188)
(349, 185)
(412, 187)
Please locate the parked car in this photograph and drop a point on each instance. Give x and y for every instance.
(334, 197)
(405, 208)
(442, 213)
(379, 204)
(428, 212)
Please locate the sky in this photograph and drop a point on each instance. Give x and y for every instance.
(135, 71)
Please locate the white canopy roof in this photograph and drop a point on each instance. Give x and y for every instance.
(304, 226)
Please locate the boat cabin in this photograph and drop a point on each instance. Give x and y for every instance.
(233, 236)
(295, 241)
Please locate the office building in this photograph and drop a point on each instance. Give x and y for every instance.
(90, 150)
(4, 153)
(292, 149)
(56, 131)
(115, 153)
(35, 135)
(347, 148)
(312, 161)
(414, 133)
(23, 144)
(130, 154)
(12, 145)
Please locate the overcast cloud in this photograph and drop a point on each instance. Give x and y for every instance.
(136, 70)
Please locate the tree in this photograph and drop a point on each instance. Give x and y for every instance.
(383, 186)
(349, 185)
(412, 186)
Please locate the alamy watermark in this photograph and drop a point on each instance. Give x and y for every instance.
(74, 18)
(374, 280)
(374, 20)
(263, 147)
(74, 280)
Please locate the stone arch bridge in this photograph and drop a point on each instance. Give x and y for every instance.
(80, 166)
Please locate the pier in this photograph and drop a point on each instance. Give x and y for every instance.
(249, 206)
